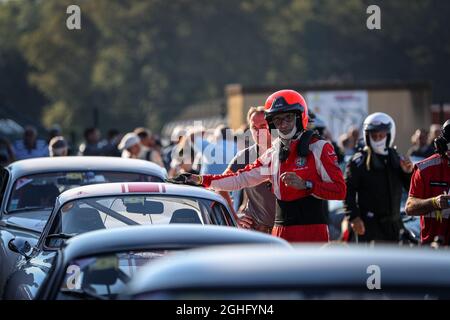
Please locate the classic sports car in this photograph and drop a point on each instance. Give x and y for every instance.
(99, 264)
(114, 205)
(306, 272)
(28, 190)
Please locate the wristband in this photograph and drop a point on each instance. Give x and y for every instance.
(435, 203)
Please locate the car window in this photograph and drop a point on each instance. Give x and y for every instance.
(97, 213)
(220, 215)
(4, 175)
(39, 191)
(226, 215)
(104, 276)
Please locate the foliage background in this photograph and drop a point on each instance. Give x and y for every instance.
(141, 62)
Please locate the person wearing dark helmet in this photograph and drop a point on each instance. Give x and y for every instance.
(429, 192)
(302, 168)
(318, 125)
(375, 177)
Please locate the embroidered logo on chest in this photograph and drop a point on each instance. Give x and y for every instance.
(300, 162)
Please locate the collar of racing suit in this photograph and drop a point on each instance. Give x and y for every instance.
(304, 137)
(284, 146)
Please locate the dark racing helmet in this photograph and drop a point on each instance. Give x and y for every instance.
(441, 142)
(286, 101)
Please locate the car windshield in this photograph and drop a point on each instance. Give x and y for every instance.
(96, 213)
(39, 191)
(103, 277)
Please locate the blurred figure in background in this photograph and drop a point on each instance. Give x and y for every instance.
(200, 139)
(130, 145)
(345, 146)
(242, 136)
(187, 156)
(218, 153)
(6, 153)
(420, 148)
(30, 146)
(259, 205)
(353, 135)
(435, 131)
(183, 156)
(58, 147)
(148, 150)
(175, 138)
(54, 131)
(350, 143)
(317, 124)
(110, 148)
(158, 146)
(91, 145)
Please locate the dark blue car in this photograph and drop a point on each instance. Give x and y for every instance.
(99, 264)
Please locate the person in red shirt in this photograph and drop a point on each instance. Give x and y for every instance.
(301, 166)
(429, 192)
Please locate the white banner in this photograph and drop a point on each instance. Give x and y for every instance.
(339, 109)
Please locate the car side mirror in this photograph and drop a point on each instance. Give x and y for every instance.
(20, 246)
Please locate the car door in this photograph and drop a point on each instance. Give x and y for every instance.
(26, 281)
(4, 177)
(8, 258)
(221, 216)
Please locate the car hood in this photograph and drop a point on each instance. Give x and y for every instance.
(34, 220)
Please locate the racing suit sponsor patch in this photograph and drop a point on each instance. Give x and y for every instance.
(439, 184)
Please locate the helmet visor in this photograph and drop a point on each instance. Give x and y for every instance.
(378, 126)
(280, 105)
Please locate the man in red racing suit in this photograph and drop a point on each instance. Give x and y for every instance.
(302, 168)
(429, 192)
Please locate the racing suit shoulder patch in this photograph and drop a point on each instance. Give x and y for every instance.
(442, 184)
(357, 158)
(429, 162)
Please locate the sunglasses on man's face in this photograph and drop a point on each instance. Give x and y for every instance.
(288, 118)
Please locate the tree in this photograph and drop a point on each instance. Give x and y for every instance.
(141, 62)
(18, 99)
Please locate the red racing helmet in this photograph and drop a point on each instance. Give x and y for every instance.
(286, 101)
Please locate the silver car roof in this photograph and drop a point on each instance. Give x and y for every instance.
(130, 188)
(74, 163)
(260, 267)
(174, 236)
